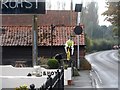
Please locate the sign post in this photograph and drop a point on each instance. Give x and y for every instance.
(34, 39)
(78, 31)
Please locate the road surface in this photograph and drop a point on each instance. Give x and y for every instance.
(105, 65)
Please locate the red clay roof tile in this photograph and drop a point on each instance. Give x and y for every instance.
(18, 30)
(22, 36)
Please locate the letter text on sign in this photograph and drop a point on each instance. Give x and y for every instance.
(22, 7)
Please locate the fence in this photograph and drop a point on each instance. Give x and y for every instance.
(56, 83)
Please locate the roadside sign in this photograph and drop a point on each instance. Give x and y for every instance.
(22, 7)
(78, 30)
(78, 7)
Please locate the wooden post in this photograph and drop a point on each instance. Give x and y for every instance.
(34, 39)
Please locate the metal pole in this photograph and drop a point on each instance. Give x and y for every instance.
(34, 39)
(78, 48)
(71, 12)
(78, 60)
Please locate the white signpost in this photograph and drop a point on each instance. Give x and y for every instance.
(78, 9)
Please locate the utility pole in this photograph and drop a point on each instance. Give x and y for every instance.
(34, 40)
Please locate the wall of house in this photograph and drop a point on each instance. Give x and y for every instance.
(11, 54)
(17, 53)
(51, 17)
(22, 78)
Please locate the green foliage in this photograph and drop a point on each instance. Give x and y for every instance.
(101, 44)
(113, 16)
(112, 13)
(65, 66)
(53, 64)
(85, 65)
(89, 17)
(75, 72)
(24, 87)
(42, 61)
(88, 43)
(115, 31)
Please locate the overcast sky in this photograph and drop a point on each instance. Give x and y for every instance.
(101, 9)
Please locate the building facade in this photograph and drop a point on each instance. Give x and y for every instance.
(16, 36)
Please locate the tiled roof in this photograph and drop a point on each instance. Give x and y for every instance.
(56, 17)
(22, 36)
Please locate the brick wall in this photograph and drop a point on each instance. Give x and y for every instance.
(51, 17)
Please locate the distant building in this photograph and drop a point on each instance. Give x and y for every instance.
(16, 36)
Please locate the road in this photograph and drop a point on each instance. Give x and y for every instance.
(105, 65)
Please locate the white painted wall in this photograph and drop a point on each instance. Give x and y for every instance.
(8, 70)
(67, 75)
(16, 81)
(13, 77)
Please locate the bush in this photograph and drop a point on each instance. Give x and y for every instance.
(53, 64)
(75, 72)
(89, 43)
(42, 61)
(65, 66)
(85, 65)
(101, 44)
(24, 87)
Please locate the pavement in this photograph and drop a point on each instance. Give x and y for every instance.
(82, 81)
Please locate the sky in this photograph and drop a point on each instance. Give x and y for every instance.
(101, 7)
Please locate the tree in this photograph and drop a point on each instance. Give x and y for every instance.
(115, 31)
(89, 17)
(113, 12)
(113, 15)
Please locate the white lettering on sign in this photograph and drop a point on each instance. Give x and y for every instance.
(4, 4)
(13, 5)
(36, 4)
(18, 4)
(29, 4)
